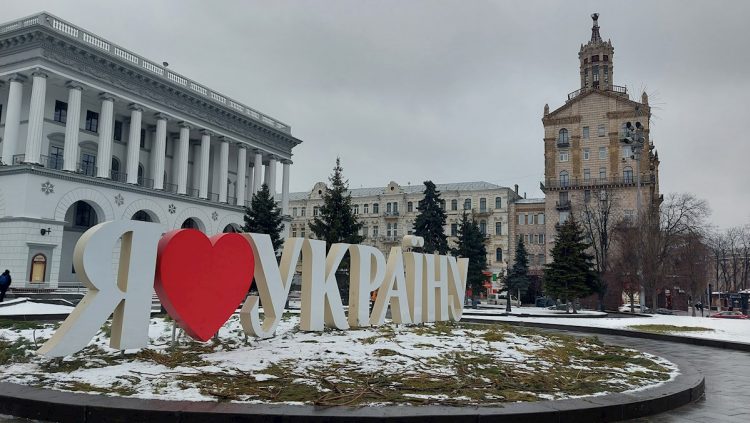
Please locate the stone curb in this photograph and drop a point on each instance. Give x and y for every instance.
(57, 406)
(703, 342)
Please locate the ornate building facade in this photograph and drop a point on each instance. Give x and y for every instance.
(93, 132)
(585, 158)
(388, 213)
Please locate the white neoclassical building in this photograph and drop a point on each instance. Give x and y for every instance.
(91, 132)
(388, 213)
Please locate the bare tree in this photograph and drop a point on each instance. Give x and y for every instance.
(600, 216)
(692, 265)
(624, 262)
(661, 229)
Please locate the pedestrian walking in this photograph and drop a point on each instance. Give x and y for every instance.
(5, 281)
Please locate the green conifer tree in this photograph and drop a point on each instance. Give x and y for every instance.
(518, 276)
(471, 245)
(335, 221)
(264, 217)
(571, 274)
(430, 221)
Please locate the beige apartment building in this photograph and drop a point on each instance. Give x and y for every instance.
(528, 221)
(585, 159)
(388, 213)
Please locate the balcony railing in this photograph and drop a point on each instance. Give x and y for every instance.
(562, 205)
(482, 211)
(156, 71)
(390, 239)
(193, 192)
(145, 182)
(391, 214)
(118, 176)
(573, 183)
(171, 188)
(563, 143)
(232, 200)
(212, 196)
(617, 89)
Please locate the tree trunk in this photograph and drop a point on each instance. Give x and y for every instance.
(507, 302)
(601, 300)
(655, 301)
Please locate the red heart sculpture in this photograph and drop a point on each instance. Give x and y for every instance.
(201, 281)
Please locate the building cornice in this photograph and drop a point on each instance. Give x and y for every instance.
(74, 54)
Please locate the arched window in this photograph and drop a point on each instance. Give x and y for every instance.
(454, 204)
(410, 206)
(483, 204)
(85, 216)
(483, 227)
(627, 175)
(498, 202)
(499, 254)
(467, 204)
(190, 223)
(143, 216)
(231, 228)
(140, 174)
(563, 137)
(38, 268)
(115, 169)
(564, 178)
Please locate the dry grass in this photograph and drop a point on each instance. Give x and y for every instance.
(668, 328)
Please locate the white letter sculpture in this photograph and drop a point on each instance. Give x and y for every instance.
(128, 293)
(366, 275)
(272, 281)
(321, 301)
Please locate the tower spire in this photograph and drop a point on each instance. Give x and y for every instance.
(595, 36)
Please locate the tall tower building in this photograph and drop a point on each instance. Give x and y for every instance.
(585, 159)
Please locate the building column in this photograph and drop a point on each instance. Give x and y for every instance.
(285, 196)
(159, 151)
(12, 119)
(241, 169)
(223, 169)
(36, 118)
(195, 186)
(272, 176)
(134, 143)
(267, 175)
(72, 126)
(257, 171)
(104, 149)
(250, 185)
(204, 164)
(182, 160)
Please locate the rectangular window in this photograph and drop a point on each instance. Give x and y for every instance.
(498, 228)
(356, 209)
(88, 164)
(409, 207)
(564, 156)
(564, 215)
(527, 239)
(364, 231)
(55, 157)
(316, 211)
(541, 239)
(602, 173)
(301, 233)
(302, 212)
(294, 211)
(602, 153)
(540, 218)
(375, 208)
(388, 230)
(454, 229)
(600, 131)
(366, 209)
(520, 219)
(585, 132)
(387, 207)
(626, 152)
(586, 154)
(530, 219)
(375, 231)
(92, 121)
(395, 207)
(586, 174)
(61, 111)
(118, 131)
(587, 195)
(294, 233)
(467, 204)
(498, 202)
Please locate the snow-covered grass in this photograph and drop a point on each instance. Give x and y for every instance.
(490, 309)
(23, 306)
(442, 363)
(719, 329)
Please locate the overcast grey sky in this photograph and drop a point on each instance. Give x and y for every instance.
(454, 90)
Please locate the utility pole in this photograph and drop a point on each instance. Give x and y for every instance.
(633, 137)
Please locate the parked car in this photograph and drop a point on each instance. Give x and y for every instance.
(502, 299)
(625, 308)
(729, 315)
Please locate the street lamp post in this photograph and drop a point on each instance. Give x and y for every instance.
(633, 137)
